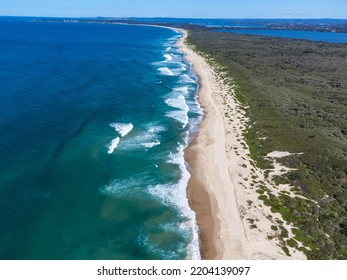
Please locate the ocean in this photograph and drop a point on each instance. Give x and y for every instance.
(94, 120)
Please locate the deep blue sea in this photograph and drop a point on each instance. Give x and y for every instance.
(94, 119)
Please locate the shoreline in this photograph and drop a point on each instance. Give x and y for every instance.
(205, 156)
(233, 223)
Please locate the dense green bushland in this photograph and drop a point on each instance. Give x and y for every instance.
(295, 95)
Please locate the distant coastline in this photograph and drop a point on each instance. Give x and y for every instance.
(328, 30)
(319, 25)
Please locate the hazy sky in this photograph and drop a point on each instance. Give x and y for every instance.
(178, 8)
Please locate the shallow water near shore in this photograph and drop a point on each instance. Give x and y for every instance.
(94, 120)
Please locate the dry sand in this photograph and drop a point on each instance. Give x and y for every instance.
(233, 222)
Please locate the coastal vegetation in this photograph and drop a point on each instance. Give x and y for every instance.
(294, 93)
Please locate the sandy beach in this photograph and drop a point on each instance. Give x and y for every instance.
(233, 222)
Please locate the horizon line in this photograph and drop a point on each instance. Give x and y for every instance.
(163, 17)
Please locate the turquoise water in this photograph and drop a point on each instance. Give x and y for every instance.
(94, 119)
(330, 37)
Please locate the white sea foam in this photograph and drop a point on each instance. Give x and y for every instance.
(181, 64)
(183, 90)
(179, 103)
(165, 71)
(180, 116)
(175, 195)
(150, 144)
(152, 136)
(177, 59)
(147, 136)
(117, 187)
(122, 128)
(126, 186)
(172, 60)
(113, 145)
(168, 49)
(154, 128)
(167, 57)
(186, 79)
(177, 71)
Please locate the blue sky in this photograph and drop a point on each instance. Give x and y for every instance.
(178, 8)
